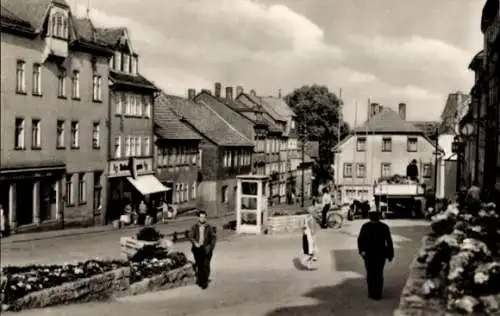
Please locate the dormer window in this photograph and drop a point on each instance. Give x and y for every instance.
(59, 25)
(125, 63)
(133, 65)
(118, 60)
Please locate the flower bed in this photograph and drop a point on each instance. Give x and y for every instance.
(156, 264)
(458, 268)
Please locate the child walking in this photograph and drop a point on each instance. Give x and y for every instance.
(309, 247)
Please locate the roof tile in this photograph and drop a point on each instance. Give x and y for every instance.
(135, 80)
(387, 121)
(170, 125)
(33, 12)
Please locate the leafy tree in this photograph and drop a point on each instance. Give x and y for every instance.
(318, 115)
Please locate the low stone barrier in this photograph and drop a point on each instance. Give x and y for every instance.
(411, 303)
(100, 287)
(285, 223)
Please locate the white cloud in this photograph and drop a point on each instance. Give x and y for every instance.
(414, 92)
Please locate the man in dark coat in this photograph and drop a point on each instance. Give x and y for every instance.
(203, 240)
(375, 246)
(412, 170)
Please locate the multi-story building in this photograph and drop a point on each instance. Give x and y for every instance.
(382, 147)
(53, 113)
(225, 153)
(178, 157)
(130, 170)
(484, 111)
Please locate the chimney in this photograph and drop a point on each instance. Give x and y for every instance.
(239, 90)
(229, 93)
(191, 94)
(374, 109)
(252, 92)
(217, 89)
(402, 110)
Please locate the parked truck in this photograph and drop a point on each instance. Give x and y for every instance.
(399, 196)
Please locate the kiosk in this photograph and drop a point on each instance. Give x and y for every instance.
(251, 204)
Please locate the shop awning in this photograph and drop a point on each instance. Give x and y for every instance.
(147, 184)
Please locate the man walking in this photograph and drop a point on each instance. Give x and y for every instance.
(326, 205)
(203, 239)
(375, 246)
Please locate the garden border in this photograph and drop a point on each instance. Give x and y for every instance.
(285, 223)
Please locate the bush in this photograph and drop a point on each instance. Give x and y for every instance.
(149, 234)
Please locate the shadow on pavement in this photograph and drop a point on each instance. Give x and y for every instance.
(350, 297)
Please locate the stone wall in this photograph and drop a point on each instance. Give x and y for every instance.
(285, 223)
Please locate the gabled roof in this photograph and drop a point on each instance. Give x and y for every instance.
(33, 12)
(387, 121)
(242, 123)
(258, 101)
(111, 36)
(428, 127)
(170, 125)
(279, 105)
(205, 121)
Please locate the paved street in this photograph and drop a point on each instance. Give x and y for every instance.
(256, 275)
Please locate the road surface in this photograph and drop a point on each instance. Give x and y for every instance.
(256, 275)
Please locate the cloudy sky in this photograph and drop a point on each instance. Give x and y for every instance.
(385, 50)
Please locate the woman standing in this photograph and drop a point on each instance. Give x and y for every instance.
(309, 246)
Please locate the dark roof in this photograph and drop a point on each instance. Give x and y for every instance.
(476, 62)
(170, 125)
(279, 105)
(111, 36)
(242, 123)
(131, 80)
(258, 101)
(387, 121)
(33, 12)
(428, 127)
(85, 29)
(206, 121)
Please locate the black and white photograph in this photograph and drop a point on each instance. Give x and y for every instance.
(250, 157)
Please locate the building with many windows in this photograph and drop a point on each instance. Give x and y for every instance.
(225, 153)
(54, 104)
(130, 169)
(382, 147)
(178, 158)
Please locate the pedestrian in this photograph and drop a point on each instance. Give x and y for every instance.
(309, 246)
(203, 241)
(143, 212)
(326, 204)
(412, 170)
(375, 247)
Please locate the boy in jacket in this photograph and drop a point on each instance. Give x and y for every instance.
(203, 241)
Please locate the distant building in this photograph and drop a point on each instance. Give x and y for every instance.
(225, 153)
(382, 147)
(53, 114)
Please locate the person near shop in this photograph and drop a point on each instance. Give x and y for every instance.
(375, 247)
(412, 170)
(143, 212)
(203, 239)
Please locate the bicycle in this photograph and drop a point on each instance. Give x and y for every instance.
(334, 219)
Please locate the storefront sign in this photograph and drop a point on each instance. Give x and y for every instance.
(128, 167)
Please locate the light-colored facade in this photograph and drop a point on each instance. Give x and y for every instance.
(53, 119)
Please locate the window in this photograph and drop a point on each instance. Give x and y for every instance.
(138, 105)
(199, 157)
(126, 104)
(70, 190)
(19, 140)
(126, 63)
(386, 144)
(147, 146)
(75, 85)
(82, 189)
(112, 62)
(21, 76)
(133, 65)
(347, 170)
(224, 193)
(61, 83)
(385, 169)
(229, 158)
(96, 135)
(128, 151)
(411, 144)
(186, 192)
(37, 79)
(59, 26)
(138, 149)
(60, 134)
(361, 144)
(75, 134)
(118, 103)
(427, 170)
(118, 147)
(177, 193)
(36, 139)
(132, 146)
(97, 88)
(360, 170)
(118, 60)
(193, 190)
(147, 106)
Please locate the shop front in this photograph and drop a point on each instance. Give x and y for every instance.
(131, 181)
(32, 197)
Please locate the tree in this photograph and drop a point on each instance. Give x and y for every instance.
(318, 115)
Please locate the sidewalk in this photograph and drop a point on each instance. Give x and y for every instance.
(95, 230)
